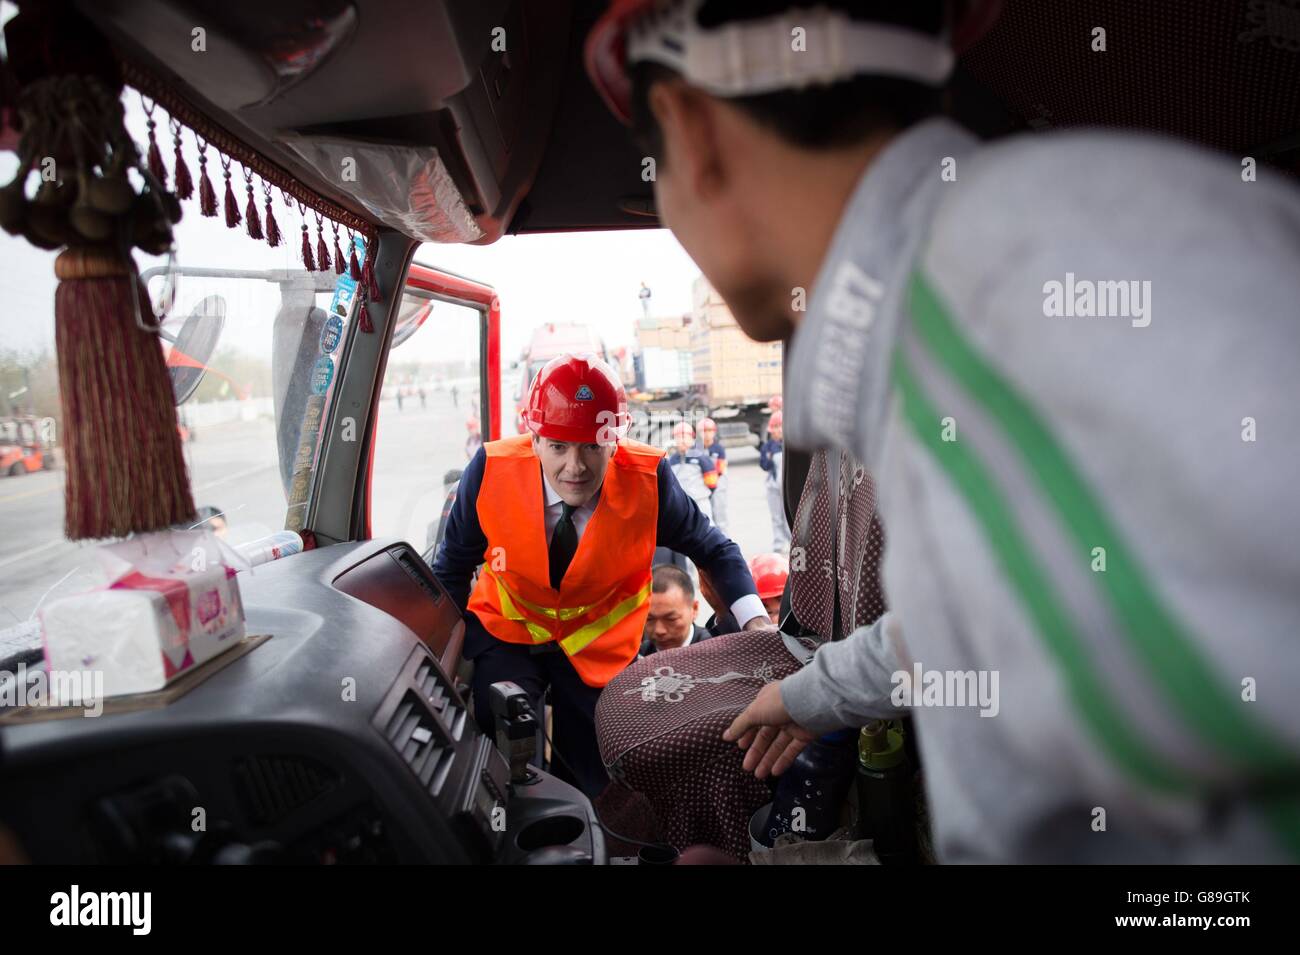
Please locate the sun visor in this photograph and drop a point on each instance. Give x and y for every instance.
(404, 187)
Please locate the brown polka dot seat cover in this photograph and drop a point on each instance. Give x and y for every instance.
(660, 722)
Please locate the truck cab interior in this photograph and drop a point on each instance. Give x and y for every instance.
(339, 733)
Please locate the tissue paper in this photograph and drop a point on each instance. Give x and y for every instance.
(171, 602)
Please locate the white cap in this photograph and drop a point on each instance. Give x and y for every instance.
(789, 51)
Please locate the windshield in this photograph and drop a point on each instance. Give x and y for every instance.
(251, 339)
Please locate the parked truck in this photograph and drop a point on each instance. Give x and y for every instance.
(548, 341)
(701, 363)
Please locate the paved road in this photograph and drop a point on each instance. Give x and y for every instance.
(233, 467)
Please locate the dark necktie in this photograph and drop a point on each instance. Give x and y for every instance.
(564, 544)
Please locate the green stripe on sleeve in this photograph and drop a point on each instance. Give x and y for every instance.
(1173, 661)
(1036, 592)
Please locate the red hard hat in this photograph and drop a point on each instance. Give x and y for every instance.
(776, 419)
(575, 398)
(683, 427)
(775, 403)
(770, 572)
(708, 423)
(605, 53)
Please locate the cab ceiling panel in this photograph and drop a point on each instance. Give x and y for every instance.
(471, 83)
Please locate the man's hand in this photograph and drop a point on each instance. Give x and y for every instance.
(765, 730)
(763, 622)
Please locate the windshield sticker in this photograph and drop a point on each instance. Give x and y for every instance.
(344, 291)
(331, 334)
(322, 373)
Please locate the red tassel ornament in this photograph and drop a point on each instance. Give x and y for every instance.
(154, 158)
(354, 267)
(232, 206)
(251, 216)
(307, 260)
(124, 468)
(322, 250)
(339, 264)
(272, 227)
(207, 195)
(184, 184)
(368, 272)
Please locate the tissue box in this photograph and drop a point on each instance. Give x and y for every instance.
(155, 621)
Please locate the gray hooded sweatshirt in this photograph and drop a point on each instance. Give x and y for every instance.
(1072, 363)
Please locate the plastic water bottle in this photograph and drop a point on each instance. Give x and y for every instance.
(273, 547)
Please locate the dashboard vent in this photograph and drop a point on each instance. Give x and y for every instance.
(271, 787)
(421, 740)
(435, 692)
(417, 569)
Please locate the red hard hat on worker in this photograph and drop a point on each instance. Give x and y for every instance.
(573, 398)
(769, 572)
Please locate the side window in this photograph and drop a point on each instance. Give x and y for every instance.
(430, 421)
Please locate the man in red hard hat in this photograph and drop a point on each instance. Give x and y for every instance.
(770, 572)
(693, 468)
(561, 524)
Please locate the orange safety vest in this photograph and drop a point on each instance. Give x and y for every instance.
(599, 611)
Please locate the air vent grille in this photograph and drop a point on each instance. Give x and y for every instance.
(439, 697)
(421, 740)
(271, 787)
(417, 569)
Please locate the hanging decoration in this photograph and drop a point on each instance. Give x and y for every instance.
(309, 263)
(232, 207)
(322, 250)
(354, 268)
(272, 227)
(184, 184)
(125, 471)
(155, 155)
(63, 86)
(207, 195)
(251, 215)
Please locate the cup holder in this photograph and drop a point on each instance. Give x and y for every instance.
(558, 830)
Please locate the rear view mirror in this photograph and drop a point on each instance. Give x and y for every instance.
(192, 348)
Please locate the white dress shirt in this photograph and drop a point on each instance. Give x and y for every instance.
(743, 610)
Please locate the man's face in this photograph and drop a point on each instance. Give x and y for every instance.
(671, 617)
(708, 436)
(773, 607)
(774, 432)
(684, 442)
(574, 470)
